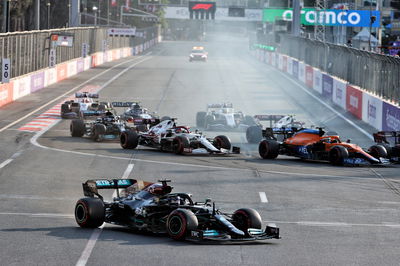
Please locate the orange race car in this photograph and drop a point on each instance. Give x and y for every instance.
(315, 144)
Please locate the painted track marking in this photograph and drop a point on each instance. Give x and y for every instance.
(89, 246)
(6, 162)
(263, 197)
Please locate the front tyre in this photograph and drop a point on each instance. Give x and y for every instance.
(180, 222)
(222, 142)
(179, 144)
(129, 139)
(246, 218)
(77, 128)
(378, 151)
(338, 154)
(89, 212)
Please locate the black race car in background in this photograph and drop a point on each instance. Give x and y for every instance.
(137, 114)
(152, 207)
(106, 127)
(390, 140)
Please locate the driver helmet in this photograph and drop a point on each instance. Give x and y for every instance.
(136, 106)
(157, 189)
(108, 113)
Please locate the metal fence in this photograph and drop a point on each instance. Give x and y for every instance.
(379, 74)
(29, 51)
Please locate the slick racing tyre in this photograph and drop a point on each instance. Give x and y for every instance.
(179, 144)
(378, 151)
(98, 132)
(268, 149)
(180, 222)
(165, 118)
(77, 128)
(200, 119)
(89, 212)
(129, 139)
(246, 218)
(64, 109)
(222, 142)
(254, 134)
(249, 120)
(338, 154)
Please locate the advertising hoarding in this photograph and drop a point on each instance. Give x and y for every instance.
(339, 92)
(354, 101)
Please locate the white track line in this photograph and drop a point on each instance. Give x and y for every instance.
(338, 224)
(328, 106)
(128, 171)
(6, 162)
(263, 197)
(89, 247)
(45, 215)
(65, 94)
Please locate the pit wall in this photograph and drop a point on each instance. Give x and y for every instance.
(35, 81)
(371, 109)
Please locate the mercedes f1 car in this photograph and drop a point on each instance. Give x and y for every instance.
(138, 115)
(314, 144)
(166, 136)
(223, 117)
(152, 207)
(387, 139)
(278, 123)
(106, 127)
(83, 106)
(198, 54)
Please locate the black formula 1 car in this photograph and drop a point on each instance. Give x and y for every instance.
(83, 106)
(222, 116)
(152, 207)
(106, 127)
(314, 144)
(167, 136)
(277, 123)
(137, 114)
(390, 140)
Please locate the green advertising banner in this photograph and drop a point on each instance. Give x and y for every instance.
(327, 17)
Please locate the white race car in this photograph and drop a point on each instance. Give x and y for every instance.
(222, 116)
(83, 105)
(166, 136)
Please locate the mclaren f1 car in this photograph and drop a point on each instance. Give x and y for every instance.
(315, 144)
(152, 207)
(167, 136)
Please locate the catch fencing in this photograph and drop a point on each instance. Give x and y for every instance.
(29, 51)
(376, 73)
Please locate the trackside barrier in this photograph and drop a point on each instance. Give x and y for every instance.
(363, 105)
(35, 81)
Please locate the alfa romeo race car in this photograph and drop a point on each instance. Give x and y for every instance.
(106, 127)
(313, 144)
(277, 123)
(198, 54)
(83, 105)
(166, 136)
(222, 116)
(387, 139)
(152, 207)
(138, 115)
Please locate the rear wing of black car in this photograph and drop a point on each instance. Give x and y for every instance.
(122, 104)
(91, 187)
(271, 118)
(385, 136)
(92, 113)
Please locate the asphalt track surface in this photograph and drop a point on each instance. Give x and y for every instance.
(327, 215)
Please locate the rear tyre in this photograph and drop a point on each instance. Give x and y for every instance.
(89, 212)
(77, 128)
(222, 142)
(129, 139)
(179, 144)
(253, 134)
(246, 218)
(64, 109)
(378, 151)
(98, 132)
(180, 222)
(338, 154)
(200, 119)
(268, 149)
(249, 120)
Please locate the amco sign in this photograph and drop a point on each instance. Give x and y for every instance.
(328, 17)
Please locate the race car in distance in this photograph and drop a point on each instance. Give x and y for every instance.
(222, 116)
(106, 127)
(314, 144)
(137, 114)
(166, 136)
(83, 105)
(386, 139)
(152, 207)
(198, 54)
(277, 123)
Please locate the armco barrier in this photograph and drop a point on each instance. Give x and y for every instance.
(32, 82)
(363, 105)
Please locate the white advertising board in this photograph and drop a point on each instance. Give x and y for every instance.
(372, 110)
(339, 92)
